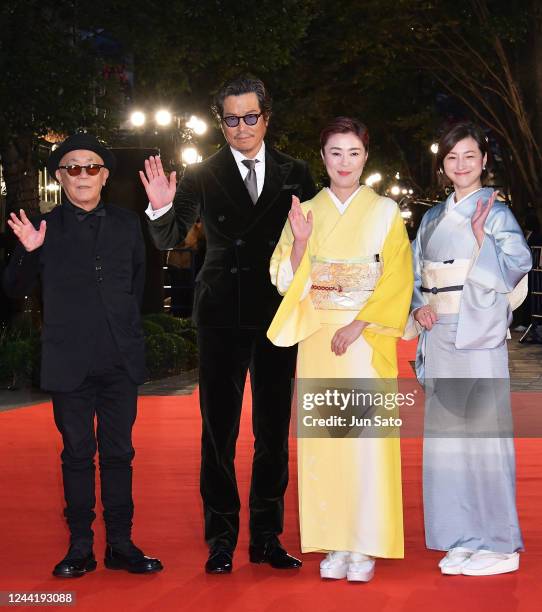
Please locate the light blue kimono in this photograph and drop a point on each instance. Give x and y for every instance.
(469, 482)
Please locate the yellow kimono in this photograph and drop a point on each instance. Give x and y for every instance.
(349, 489)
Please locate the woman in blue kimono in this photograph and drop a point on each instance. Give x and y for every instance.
(470, 262)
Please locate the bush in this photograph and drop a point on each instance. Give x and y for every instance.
(151, 329)
(170, 324)
(20, 352)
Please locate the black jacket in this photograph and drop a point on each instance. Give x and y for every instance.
(233, 288)
(77, 281)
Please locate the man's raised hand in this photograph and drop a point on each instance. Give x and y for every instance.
(30, 237)
(160, 190)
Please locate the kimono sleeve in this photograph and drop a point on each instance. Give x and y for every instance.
(387, 309)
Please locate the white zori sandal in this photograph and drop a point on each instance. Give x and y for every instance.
(335, 565)
(361, 568)
(489, 563)
(454, 560)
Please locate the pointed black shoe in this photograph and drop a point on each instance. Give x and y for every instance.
(127, 556)
(220, 561)
(273, 553)
(78, 561)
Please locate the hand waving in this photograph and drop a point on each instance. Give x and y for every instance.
(160, 190)
(301, 227)
(479, 217)
(29, 236)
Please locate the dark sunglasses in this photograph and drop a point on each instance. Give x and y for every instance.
(75, 170)
(250, 119)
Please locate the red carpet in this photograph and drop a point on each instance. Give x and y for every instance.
(168, 524)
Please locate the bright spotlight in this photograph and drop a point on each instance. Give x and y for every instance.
(137, 118)
(395, 190)
(373, 178)
(198, 126)
(163, 117)
(406, 214)
(190, 156)
(434, 148)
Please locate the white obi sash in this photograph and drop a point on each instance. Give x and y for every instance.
(442, 284)
(343, 284)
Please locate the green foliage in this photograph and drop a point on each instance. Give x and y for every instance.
(169, 344)
(20, 353)
(150, 328)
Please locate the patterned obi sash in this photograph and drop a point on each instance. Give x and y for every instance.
(343, 284)
(442, 283)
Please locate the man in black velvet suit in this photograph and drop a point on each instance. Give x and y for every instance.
(243, 194)
(91, 260)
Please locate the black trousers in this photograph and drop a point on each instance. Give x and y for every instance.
(111, 397)
(225, 357)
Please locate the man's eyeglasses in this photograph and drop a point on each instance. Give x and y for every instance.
(75, 169)
(250, 119)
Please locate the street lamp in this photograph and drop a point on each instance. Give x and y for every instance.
(163, 117)
(137, 118)
(198, 126)
(190, 155)
(434, 148)
(395, 190)
(373, 178)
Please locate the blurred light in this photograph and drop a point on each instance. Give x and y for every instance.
(395, 190)
(373, 178)
(198, 126)
(404, 191)
(406, 214)
(434, 148)
(397, 175)
(190, 156)
(163, 117)
(53, 187)
(410, 191)
(137, 118)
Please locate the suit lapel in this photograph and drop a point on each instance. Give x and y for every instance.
(227, 175)
(275, 177)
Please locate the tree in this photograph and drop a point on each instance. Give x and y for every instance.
(51, 81)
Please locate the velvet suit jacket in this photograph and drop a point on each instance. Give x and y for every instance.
(233, 288)
(110, 274)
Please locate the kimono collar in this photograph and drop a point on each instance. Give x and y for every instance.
(451, 203)
(342, 206)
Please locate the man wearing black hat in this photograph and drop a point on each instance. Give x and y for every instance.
(90, 257)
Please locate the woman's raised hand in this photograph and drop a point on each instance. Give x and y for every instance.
(301, 227)
(479, 217)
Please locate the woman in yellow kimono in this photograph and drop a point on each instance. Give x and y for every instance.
(349, 488)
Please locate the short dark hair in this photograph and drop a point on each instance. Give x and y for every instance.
(345, 125)
(242, 85)
(459, 131)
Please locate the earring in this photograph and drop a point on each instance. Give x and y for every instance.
(483, 167)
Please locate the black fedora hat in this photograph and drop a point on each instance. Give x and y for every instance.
(84, 142)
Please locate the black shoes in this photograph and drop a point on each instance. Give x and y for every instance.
(220, 561)
(78, 561)
(273, 553)
(127, 556)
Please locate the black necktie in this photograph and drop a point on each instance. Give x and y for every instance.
(250, 179)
